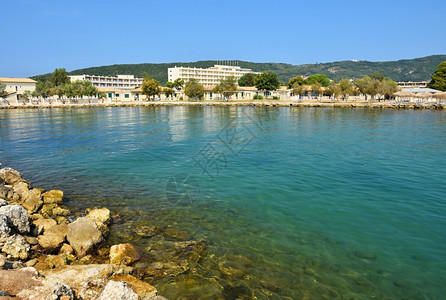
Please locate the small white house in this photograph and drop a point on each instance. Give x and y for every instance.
(16, 87)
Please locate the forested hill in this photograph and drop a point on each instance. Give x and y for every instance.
(417, 69)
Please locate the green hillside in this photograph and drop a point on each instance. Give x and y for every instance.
(418, 69)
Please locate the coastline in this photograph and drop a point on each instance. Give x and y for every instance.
(47, 251)
(260, 103)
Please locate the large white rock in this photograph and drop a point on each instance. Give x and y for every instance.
(83, 235)
(17, 247)
(117, 290)
(4, 227)
(17, 217)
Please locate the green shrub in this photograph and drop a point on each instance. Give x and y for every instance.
(258, 97)
(276, 98)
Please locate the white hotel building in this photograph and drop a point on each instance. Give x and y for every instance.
(125, 82)
(210, 76)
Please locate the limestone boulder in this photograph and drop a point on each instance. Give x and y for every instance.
(27, 283)
(62, 259)
(2, 261)
(31, 240)
(31, 200)
(59, 211)
(20, 188)
(3, 202)
(144, 290)
(6, 192)
(100, 214)
(14, 281)
(5, 231)
(124, 254)
(17, 247)
(117, 290)
(47, 210)
(53, 196)
(48, 292)
(76, 275)
(83, 235)
(91, 288)
(10, 176)
(62, 220)
(53, 237)
(17, 217)
(67, 249)
(43, 224)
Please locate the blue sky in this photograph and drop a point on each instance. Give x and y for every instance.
(41, 35)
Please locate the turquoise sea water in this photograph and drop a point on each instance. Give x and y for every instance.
(292, 203)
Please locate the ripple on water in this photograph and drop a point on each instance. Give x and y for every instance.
(321, 203)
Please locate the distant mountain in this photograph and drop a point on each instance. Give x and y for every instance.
(417, 69)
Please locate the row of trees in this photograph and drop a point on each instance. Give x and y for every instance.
(151, 87)
(373, 85)
(60, 85)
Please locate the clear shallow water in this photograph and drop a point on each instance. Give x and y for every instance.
(292, 203)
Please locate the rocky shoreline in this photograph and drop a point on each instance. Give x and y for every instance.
(47, 252)
(379, 105)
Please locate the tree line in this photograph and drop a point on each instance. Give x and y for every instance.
(60, 85)
(372, 86)
(319, 84)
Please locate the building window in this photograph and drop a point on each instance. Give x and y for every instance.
(126, 96)
(109, 95)
(117, 95)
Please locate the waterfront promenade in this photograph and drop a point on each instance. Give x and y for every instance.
(273, 103)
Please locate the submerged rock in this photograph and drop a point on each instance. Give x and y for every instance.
(17, 217)
(83, 235)
(124, 254)
(159, 270)
(176, 234)
(365, 255)
(17, 247)
(147, 230)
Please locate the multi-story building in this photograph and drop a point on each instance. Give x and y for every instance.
(209, 76)
(16, 87)
(120, 82)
